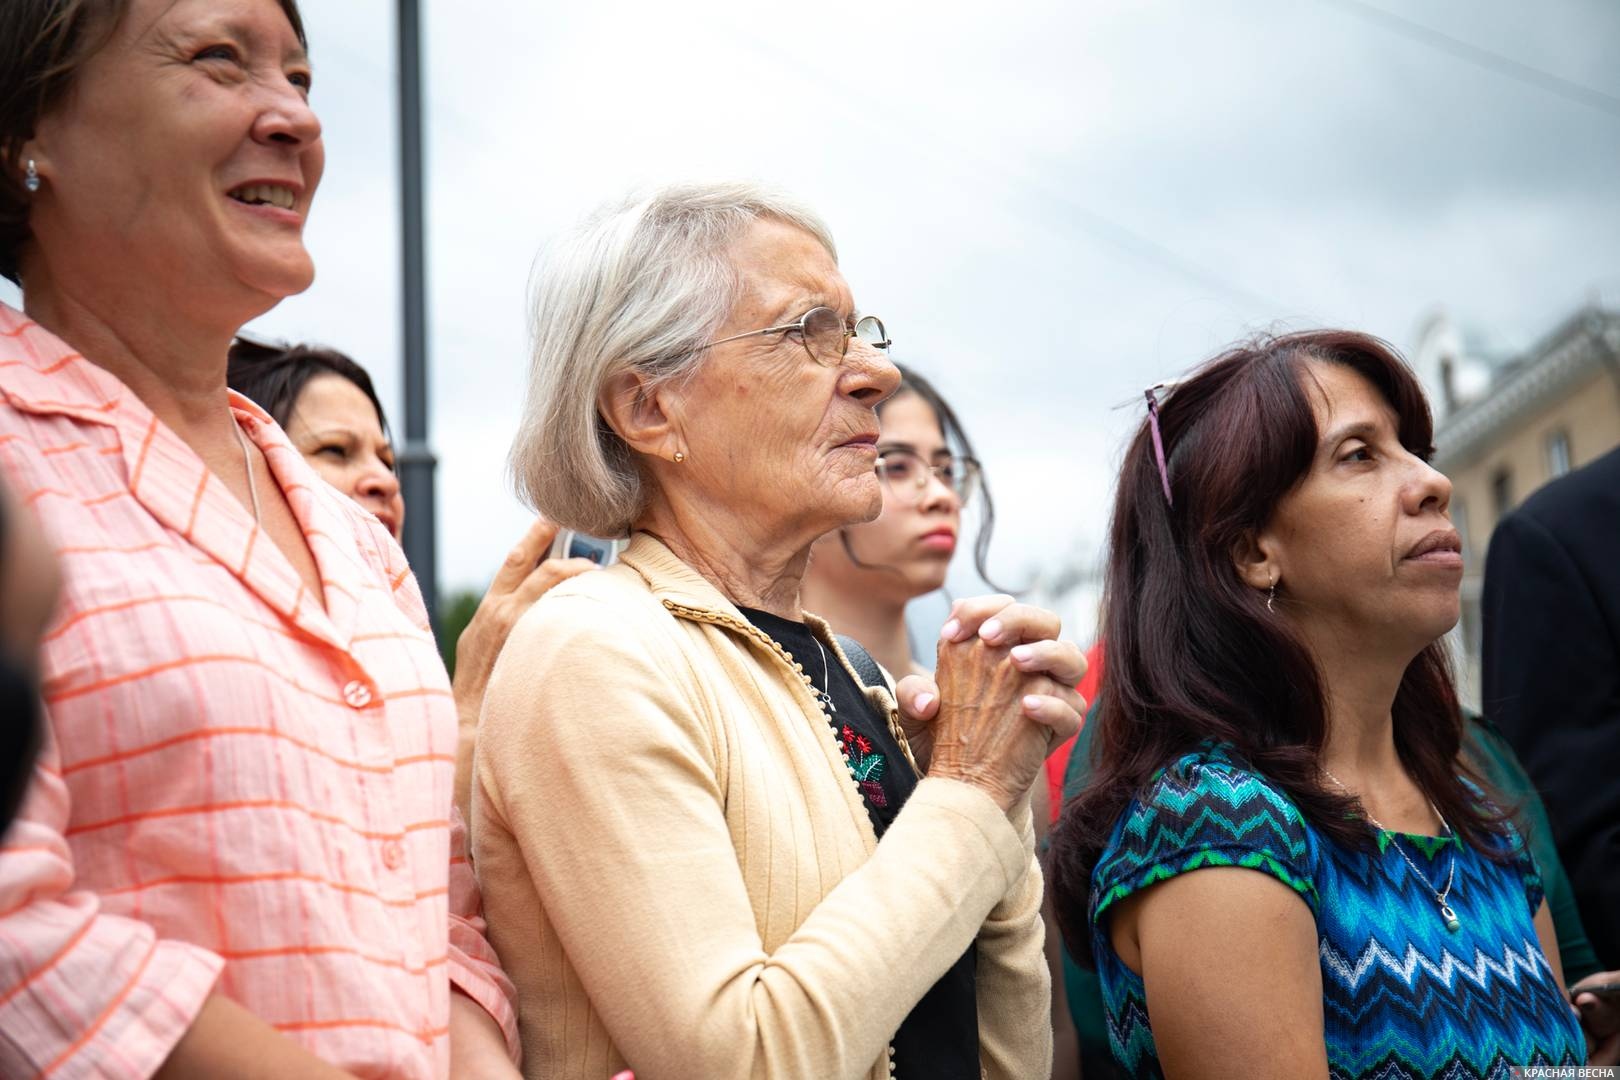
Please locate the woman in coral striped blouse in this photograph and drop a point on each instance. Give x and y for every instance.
(237, 856)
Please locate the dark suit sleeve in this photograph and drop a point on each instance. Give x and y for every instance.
(1551, 685)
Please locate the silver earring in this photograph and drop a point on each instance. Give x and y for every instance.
(31, 177)
(1271, 597)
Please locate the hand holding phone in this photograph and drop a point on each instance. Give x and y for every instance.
(576, 545)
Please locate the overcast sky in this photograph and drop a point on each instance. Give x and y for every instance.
(1052, 205)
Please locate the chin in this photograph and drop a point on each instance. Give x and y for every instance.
(277, 274)
(930, 579)
(856, 506)
(1436, 624)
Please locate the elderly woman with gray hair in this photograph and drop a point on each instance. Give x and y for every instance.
(709, 847)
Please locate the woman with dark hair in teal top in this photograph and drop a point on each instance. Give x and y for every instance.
(1284, 867)
(1489, 753)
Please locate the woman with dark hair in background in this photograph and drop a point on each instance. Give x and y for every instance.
(326, 404)
(238, 855)
(1281, 572)
(861, 577)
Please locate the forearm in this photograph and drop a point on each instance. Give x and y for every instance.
(477, 1044)
(227, 1040)
(1014, 987)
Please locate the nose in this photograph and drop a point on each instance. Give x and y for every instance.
(938, 495)
(1428, 489)
(867, 374)
(287, 118)
(379, 481)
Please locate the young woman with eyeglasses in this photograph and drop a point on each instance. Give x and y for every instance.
(861, 577)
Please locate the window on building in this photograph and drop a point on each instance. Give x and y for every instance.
(1502, 492)
(1557, 454)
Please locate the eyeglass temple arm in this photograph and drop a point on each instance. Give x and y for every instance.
(756, 333)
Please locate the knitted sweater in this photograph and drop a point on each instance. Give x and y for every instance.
(680, 876)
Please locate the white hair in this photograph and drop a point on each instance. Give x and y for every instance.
(643, 284)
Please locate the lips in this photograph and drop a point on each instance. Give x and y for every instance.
(863, 440)
(940, 539)
(1442, 545)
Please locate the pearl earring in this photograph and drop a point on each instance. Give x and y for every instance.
(31, 177)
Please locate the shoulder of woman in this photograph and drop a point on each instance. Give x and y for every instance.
(1214, 777)
(593, 657)
(609, 614)
(1205, 809)
(1207, 802)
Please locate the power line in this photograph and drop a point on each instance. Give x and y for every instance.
(932, 141)
(1484, 58)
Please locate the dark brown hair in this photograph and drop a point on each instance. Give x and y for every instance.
(1193, 654)
(43, 44)
(275, 375)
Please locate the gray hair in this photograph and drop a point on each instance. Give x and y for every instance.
(643, 284)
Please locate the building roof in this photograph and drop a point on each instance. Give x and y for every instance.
(1587, 341)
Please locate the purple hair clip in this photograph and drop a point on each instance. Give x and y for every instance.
(1158, 440)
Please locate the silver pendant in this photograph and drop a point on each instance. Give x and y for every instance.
(826, 701)
(1452, 922)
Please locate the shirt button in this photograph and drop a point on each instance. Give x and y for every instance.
(357, 694)
(393, 855)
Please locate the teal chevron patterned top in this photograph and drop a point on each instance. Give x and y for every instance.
(1402, 996)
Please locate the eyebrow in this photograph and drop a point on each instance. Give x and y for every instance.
(242, 32)
(943, 451)
(1356, 429)
(797, 309)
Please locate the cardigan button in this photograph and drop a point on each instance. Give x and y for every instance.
(357, 694)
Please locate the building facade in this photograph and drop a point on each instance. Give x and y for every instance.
(1506, 425)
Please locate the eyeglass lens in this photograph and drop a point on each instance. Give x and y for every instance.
(906, 474)
(828, 339)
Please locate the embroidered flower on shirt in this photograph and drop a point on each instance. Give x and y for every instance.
(865, 765)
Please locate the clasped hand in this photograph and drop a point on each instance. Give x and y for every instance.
(1001, 699)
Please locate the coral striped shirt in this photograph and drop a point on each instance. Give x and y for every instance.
(244, 790)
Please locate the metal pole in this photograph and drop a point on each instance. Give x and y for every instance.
(416, 461)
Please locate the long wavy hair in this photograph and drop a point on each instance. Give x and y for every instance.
(1193, 654)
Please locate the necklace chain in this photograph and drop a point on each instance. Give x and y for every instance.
(1446, 911)
(247, 460)
(824, 696)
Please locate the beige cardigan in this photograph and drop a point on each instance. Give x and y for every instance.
(681, 878)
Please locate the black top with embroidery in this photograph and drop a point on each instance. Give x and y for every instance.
(940, 1036)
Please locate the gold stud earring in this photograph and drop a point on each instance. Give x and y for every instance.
(679, 457)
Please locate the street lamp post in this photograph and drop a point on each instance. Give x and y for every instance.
(416, 462)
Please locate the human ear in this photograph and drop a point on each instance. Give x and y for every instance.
(1254, 558)
(642, 414)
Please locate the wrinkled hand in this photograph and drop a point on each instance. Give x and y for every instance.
(998, 620)
(1005, 696)
(523, 578)
(1600, 1019)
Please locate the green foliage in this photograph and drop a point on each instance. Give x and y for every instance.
(455, 612)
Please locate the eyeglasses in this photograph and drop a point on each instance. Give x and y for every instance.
(906, 475)
(824, 334)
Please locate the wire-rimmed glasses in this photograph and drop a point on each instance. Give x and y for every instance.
(906, 474)
(825, 334)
